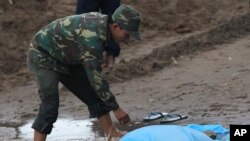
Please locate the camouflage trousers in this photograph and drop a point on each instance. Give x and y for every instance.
(47, 78)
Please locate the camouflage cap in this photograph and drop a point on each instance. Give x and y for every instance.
(129, 19)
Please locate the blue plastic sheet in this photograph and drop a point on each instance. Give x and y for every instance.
(222, 134)
(165, 133)
(217, 128)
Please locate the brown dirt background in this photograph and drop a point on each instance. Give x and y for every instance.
(194, 60)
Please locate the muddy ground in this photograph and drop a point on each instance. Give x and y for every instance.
(194, 60)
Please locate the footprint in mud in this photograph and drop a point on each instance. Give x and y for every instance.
(220, 106)
(240, 97)
(27, 116)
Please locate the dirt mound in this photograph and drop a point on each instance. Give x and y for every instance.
(177, 16)
(18, 23)
(20, 20)
(167, 54)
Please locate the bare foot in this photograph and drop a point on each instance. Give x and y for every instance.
(116, 135)
(108, 127)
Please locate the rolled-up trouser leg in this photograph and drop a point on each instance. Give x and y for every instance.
(47, 82)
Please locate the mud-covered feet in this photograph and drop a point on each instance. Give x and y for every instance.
(116, 135)
(108, 127)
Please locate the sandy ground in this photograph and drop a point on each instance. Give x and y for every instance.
(197, 66)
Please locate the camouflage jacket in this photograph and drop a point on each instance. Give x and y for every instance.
(74, 40)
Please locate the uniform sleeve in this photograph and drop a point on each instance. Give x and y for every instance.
(94, 72)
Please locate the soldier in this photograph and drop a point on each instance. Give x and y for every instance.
(69, 50)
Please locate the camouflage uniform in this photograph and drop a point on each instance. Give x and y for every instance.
(69, 50)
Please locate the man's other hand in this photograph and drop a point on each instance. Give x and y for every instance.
(109, 62)
(121, 116)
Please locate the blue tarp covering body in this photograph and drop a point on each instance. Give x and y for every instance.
(192, 132)
(222, 133)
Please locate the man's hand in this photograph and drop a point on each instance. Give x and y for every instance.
(109, 61)
(121, 116)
